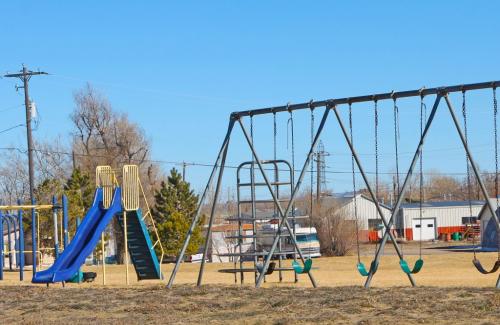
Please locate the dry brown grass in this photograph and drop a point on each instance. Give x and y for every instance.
(224, 304)
(452, 292)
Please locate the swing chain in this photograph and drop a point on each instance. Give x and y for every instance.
(376, 165)
(251, 128)
(423, 111)
(376, 149)
(495, 129)
(469, 198)
(354, 184)
(290, 125)
(275, 132)
(396, 137)
(312, 162)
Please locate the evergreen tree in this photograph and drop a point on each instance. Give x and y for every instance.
(80, 192)
(174, 210)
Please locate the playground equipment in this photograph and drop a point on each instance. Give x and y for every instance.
(265, 226)
(402, 262)
(465, 137)
(329, 106)
(12, 216)
(110, 200)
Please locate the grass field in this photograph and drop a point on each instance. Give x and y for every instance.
(450, 291)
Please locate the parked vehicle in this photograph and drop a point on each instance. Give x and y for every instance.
(306, 237)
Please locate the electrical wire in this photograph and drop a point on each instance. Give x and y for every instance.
(229, 166)
(11, 128)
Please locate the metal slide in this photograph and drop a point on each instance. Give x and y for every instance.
(84, 242)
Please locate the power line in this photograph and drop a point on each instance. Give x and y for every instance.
(11, 128)
(201, 164)
(10, 108)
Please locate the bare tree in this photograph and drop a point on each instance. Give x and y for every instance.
(336, 232)
(13, 177)
(104, 137)
(52, 160)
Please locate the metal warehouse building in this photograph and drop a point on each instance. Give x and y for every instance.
(489, 234)
(368, 218)
(437, 218)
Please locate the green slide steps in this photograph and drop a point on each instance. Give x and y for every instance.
(140, 247)
(299, 269)
(416, 268)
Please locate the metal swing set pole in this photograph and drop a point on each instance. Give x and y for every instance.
(208, 239)
(180, 257)
(475, 169)
(372, 194)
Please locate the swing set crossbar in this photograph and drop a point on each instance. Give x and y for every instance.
(368, 98)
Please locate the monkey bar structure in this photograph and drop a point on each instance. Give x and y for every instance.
(255, 249)
(15, 214)
(332, 105)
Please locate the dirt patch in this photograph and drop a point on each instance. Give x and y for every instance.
(276, 305)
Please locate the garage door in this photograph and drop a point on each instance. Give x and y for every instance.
(426, 229)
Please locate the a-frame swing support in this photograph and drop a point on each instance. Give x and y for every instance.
(475, 170)
(403, 188)
(331, 104)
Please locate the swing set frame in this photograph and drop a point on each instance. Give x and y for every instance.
(331, 105)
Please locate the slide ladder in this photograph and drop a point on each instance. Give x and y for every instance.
(140, 247)
(111, 200)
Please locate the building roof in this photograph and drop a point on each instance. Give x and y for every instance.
(493, 202)
(347, 197)
(442, 204)
(231, 227)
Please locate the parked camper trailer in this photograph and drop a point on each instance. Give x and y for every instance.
(306, 237)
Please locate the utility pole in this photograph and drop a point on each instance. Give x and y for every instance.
(320, 170)
(73, 159)
(25, 75)
(184, 171)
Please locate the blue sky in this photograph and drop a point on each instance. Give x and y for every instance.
(179, 68)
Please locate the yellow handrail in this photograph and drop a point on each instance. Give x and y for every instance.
(152, 222)
(131, 196)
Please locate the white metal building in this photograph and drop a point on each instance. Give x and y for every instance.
(222, 245)
(14, 242)
(368, 218)
(489, 234)
(437, 218)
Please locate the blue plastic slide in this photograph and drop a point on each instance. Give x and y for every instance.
(84, 242)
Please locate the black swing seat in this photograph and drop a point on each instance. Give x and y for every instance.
(481, 269)
(270, 269)
(89, 276)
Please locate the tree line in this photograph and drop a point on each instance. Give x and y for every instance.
(100, 136)
(103, 136)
